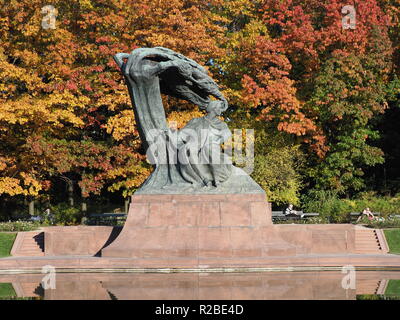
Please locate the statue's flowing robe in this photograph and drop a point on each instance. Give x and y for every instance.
(146, 80)
(200, 157)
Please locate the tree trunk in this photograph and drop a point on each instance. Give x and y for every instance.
(84, 202)
(70, 192)
(32, 207)
(127, 200)
(84, 206)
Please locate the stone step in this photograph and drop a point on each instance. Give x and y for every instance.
(367, 286)
(31, 254)
(366, 236)
(32, 247)
(373, 246)
(30, 250)
(29, 244)
(367, 242)
(367, 247)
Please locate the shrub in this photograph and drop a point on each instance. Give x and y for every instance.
(15, 226)
(313, 220)
(327, 204)
(384, 205)
(64, 214)
(336, 210)
(389, 222)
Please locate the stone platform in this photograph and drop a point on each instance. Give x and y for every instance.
(230, 226)
(200, 232)
(213, 225)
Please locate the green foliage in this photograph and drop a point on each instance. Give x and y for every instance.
(6, 243)
(381, 223)
(276, 174)
(385, 205)
(329, 205)
(64, 214)
(312, 220)
(277, 161)
(16, 226)
(345, 113)
(393, 240)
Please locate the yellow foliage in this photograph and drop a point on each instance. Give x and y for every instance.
(178, 120)
(12, 186)
(121, 125)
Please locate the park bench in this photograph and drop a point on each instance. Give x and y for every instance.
(354, 215)
(280, 216)
(104, 219)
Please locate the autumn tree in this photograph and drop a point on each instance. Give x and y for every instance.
(312, 89)
(65, 108)
(323, 83)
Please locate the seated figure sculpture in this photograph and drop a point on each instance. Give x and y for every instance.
(194, 163)
(201, 161)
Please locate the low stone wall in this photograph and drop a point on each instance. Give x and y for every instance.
(318, 238)
(77, 240)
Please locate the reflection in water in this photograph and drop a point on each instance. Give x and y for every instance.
(391, 291)
(203, 286)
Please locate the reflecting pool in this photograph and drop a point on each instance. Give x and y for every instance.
(204, 286)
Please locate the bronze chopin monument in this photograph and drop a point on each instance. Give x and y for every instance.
(195, 203)
(188, 160)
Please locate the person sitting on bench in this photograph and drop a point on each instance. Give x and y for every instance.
(366, 212)
(290, 211)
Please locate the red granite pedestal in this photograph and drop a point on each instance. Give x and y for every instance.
(199, 226)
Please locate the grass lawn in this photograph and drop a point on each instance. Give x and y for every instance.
(6, 243)
(393, 288)
(393, 240)
(7, 290)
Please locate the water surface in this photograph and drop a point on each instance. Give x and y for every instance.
(325, 285)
